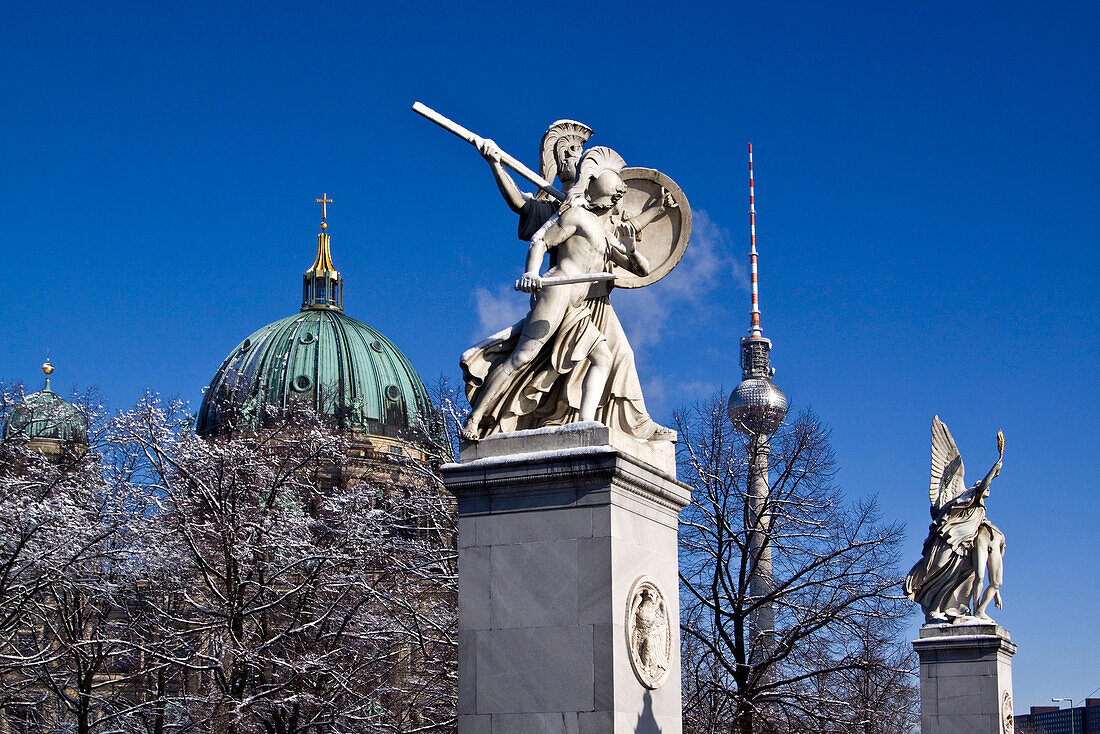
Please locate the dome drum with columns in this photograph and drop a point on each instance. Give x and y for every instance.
(322, 358)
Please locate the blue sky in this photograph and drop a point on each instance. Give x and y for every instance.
(927, 197)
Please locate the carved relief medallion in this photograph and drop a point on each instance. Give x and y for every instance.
(649, 632)
(1006, 714)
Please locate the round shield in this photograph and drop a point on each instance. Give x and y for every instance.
(664, 239)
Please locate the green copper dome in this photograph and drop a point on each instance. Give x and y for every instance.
(319, 357)
(45, 415)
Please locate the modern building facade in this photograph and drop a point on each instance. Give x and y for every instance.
(1083, 719)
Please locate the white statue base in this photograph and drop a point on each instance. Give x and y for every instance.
(568, 583)
(965, 678)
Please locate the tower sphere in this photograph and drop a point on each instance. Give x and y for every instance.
(757, 406)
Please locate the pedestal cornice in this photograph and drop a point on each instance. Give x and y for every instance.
(581, 458)
(979, 637)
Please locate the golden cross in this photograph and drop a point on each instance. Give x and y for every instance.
(324, 201)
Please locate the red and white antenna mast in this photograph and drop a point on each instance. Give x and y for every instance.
(754, 327)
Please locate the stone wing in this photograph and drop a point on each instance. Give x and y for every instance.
(947, 466)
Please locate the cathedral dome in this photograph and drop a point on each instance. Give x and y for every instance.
(323, 358)
(46, 416)
(318, 357)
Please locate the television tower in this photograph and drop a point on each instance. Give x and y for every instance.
(757, 408)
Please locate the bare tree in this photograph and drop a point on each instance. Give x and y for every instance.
(282, 594)
(834, 589)
(875, 696)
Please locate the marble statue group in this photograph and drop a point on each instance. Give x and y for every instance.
(962, 544)
(568, 359)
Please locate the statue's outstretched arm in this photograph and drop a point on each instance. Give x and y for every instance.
(551, 235)
(645, 218)
(983, 486)
(508, 189)
(535, 253)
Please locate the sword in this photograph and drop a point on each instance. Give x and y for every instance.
(453, 127)
(571, 279)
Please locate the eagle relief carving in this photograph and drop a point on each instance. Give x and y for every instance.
(649, 632)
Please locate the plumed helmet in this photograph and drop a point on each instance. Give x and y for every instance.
(605, 189)
(592, 182)
(548, 164)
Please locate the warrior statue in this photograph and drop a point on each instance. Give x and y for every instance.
(962, 544)
(610, 226)
(569, 359)
(559, 154)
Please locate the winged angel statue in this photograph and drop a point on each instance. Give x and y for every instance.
(962, 544)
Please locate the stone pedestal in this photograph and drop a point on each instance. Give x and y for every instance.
(563, 534)
(965, 679)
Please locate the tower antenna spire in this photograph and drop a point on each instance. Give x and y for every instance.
(754, 326)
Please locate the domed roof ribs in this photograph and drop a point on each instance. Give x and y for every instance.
(347, 381)
(393, 376)
(376, 400)
(314, 350)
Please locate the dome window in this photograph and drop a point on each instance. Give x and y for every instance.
(376, 345)
(302, 383)
(393, 393)
(307, 338)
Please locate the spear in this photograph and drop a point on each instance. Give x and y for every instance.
(571, 279)
(473, 139)
(453, 127)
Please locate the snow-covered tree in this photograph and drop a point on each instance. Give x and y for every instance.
(270, 581)
(61, 549)
(282, 592)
